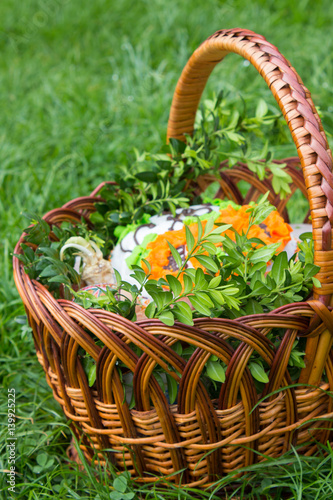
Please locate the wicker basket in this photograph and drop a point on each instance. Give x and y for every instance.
(205, 438)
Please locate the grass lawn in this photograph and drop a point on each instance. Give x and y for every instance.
(81, 85)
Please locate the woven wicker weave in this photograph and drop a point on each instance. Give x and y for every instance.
(157, 438)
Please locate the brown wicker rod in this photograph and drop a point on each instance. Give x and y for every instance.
(100, 186)
(307, 132)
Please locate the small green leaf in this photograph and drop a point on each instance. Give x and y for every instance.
(175, 255)
(204, 299)
(22, 258)
(270, 282)
(215, 371)
(117, 495)
(150, 310)
(49, 271)
(190, 241)
(166, 297)
(288, 279)
(264, 254)
(156, 298)
(232, 302)
(256, 240)
(234, 137)
(183, 312)
(60, 279)
(220, 229)
(217, 296)
(199, 279)
(147, 264)
(188, 351)
(192, 273)
(188, 284)
(177, 145)
(172, 388)
(305, 236)
(262, 109)
(262, 212)
(147, 176)
(199, 307)
(214, 238)
(209, 226)
(214, 282)
(28, 252)
(38, 469)
(259, 288)
(118, 277)
(219, 100)
(296, 359)
(258, 372)
(207, 262)
(210, 248)
(280, 301)
(177, 347)
(172, 208)
(139, 275)
(159, 379)
(310, 270)
(42, 459)
(263, 199)
(175, 285)
(92, 375)
(280, 265)
(257, 277)
(166, 317)
(253, 307)
(316, 282)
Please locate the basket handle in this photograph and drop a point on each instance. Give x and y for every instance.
(298, 110)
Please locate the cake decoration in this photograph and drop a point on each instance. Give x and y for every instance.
(150, 241)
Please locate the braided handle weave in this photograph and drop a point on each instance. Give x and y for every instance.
(298, 110)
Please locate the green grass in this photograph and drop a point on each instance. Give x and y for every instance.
(81, 85)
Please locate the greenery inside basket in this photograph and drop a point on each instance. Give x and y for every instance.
(221, 327)
(230, 274)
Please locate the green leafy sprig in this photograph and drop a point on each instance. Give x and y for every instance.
(224, 134)
(41, 253)
(204, 290)
(136, 196)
